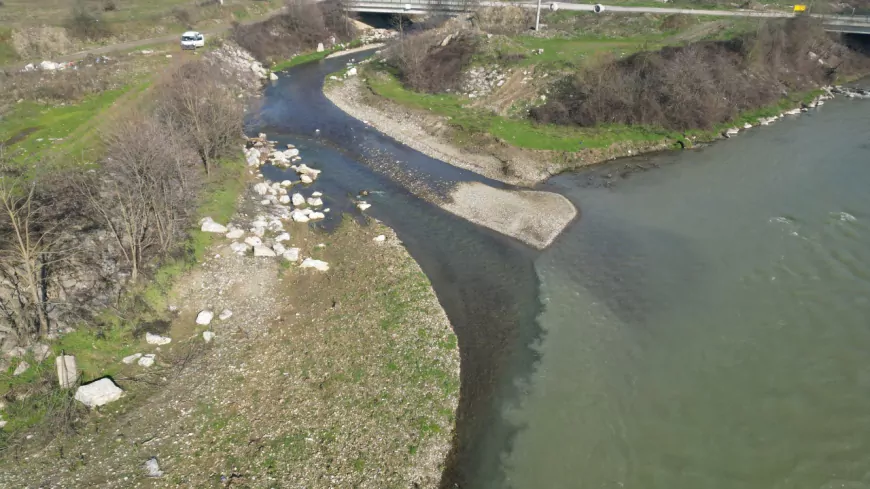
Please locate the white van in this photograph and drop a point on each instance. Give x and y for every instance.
(192, 40)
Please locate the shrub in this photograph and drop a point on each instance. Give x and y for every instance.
(424, 65)
(301, 27)
(698, 85)
(87, 25)
(184, 16)
(110, 6)
(41, 42)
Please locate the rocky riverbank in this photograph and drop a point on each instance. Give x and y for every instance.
(294, 359)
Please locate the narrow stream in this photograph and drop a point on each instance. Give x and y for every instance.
(705, 325)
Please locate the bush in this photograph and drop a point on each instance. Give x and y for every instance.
(87, 25)
(61, 86)
(424, 65)
(698, 85)
(184, 16)
(110, 6)
(301, 27)
(41, 42)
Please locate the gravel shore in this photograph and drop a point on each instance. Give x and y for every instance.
(533, 217)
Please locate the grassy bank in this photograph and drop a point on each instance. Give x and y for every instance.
(312, 56)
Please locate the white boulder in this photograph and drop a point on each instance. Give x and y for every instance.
(261, 188)
(204, 317)
(284, 199)
(152, 468)
(225, 314)
(273, 77)
(98, 393)
(278, 248)
(282, 237)
(207, 336)
(299, 216)
(147, 360)
(209, 226)
(298, 199)
(132, 358)
(315, 264)
(320, 47)
(262, 251)
(363, 205)
(315, 201)
(317, 194)
(239, 248)
(253, 241)
(306, 179)
(351, 72)
(235, 233)
(21, 368)
(314, 216)
(156, 339)
(380, 239)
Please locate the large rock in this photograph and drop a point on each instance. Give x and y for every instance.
(235, 233)
(132, 358)
(209, 226)
(147, 360)
(98, 393)
(278, 248)
(40, 351)
(306, 179)
(315, 216)
(204, 317)
(253, 241)
(261, 188)
(239, 248)
(152, 468)
(298, 200)
(299, 216)
(282, 237)
(315, 264)
(225, 314)
(156, 339)
(320, 47)
(263, 251)
(315, 201)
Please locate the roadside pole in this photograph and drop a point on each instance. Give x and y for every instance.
(538, 18)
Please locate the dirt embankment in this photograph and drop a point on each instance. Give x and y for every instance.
(343, 378)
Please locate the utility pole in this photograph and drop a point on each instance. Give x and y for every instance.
(538, 18)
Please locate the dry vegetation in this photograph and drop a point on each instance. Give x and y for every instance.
(301, 26)
(425, 64)
(702, 84)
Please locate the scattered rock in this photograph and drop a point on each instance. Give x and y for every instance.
(21, 368)
(225, 314)
(351, 72)
(299, 216)
(152, 468)
(208, 336)
(316, 264)
(282, 237)
(209, 226)
(363, 205)
(315, 216)
(240, 248)
(731, 132)
(284, 199)
(278, 248)
(320, 47)
(253, 241)
(261, 188)
(380, 239)
(204, 317)
(132, 358)
(306, 179)
(273, 77)
(298, 199)
(315, 202)
(291, 254)
(98, 393)
(235, 234)
(147, 360)
(262, 251)
(155, 339)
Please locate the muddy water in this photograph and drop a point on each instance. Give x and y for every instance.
(705, 325)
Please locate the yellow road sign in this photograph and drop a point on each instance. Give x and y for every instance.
(800, 8)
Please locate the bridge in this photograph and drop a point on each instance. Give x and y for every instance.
(852, 24)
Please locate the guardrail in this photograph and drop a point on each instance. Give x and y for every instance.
(457, 6)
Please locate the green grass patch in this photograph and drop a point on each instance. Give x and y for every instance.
(7, 52)
(32, 130)
(312, 56)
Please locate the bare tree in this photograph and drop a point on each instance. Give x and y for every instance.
(200, 106)
(147, 191)
(30, 245)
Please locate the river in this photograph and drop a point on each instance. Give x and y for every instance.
(705, 324)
